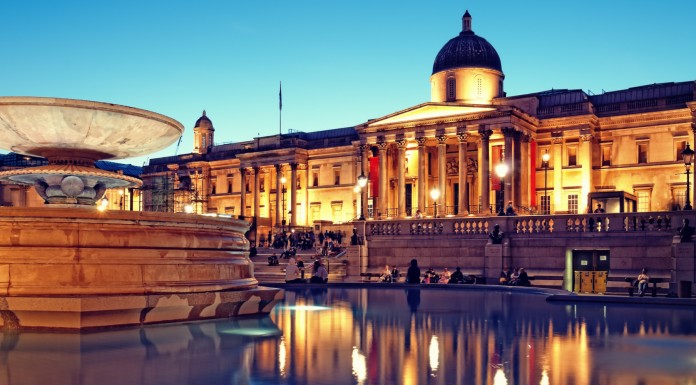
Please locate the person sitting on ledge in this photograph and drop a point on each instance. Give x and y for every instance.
(386, 274)
(319, 273)
(273, 260)
(642, 281)
(457, 276)
(292, 272)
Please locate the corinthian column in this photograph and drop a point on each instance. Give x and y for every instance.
(382, 207)
(509, 134)
(242, 192)
(557, 172)
(463, 201)
(585, 170)
(421, 174)
(279, 193)
(401, 154)
(364, 171)
(442, 172)
(293, 194)
(257, 192)
(485, 182)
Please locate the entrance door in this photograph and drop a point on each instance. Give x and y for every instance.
(456, 198)
(409, 199)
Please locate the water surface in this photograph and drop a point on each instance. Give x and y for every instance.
(378, 336)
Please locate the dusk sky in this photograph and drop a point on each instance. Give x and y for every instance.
(341, 63)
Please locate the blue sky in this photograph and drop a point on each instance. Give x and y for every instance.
(341, 63)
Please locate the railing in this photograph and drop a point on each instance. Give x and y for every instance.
(534, 224)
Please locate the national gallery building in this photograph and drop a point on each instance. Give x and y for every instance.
(470, 150)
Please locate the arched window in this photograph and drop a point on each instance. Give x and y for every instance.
(451, 89)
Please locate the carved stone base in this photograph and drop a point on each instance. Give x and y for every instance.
(85, 312)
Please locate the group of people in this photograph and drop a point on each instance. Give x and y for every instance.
(514, 277)
(413, 275)
(295, 272)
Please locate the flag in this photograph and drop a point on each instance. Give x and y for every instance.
(280, 97)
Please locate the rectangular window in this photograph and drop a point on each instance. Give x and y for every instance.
(247, 187)
(679, 199)
(229, 210)
(679, 146)
(572, 203)
(337, 212)
(229, 183)
(606, 156)
(572, 156)
(642, 153)
(315, 178)
(212, 188)
(643, 200)
(337, 176)
(314, 210)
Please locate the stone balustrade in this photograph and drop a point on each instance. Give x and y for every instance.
(534, 224)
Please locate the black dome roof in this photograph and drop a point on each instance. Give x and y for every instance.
(467, 50)
(204, 118)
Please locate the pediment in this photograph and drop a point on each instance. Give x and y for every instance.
(428, 111)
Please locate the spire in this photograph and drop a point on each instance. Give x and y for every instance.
(466, 22)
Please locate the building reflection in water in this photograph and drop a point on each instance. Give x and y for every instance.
(440, 336)
(393, 335)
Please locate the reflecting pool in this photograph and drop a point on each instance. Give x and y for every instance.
(393, 335)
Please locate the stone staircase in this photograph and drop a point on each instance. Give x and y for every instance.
(276, 274)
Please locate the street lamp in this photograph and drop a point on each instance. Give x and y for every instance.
(282, 181)
(362, 182)
(501, 169)
(103, 204)
(545, 162)
(435, 194)
(688, 156)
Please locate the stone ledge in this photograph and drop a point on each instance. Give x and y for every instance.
(100, 311)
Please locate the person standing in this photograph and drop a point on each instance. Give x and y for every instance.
(413, 273)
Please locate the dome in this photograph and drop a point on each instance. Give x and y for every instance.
(467, 50)
(203, 121)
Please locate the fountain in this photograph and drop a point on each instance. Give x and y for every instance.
(70, 266)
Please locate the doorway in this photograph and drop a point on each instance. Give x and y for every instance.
(409, 199)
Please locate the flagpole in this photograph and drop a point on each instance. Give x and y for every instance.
(280, 109)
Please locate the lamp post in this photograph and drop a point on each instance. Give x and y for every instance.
(282, 181)
(688, 156)
(362, 182)
(545, 162)
(501, 169)
(435, 194)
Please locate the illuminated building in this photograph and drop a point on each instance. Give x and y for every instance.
(627, 143)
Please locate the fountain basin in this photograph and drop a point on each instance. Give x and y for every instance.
(82, 268)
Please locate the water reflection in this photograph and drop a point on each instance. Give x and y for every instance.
(412, 336)
(378, 336)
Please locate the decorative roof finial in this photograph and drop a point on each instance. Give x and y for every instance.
(466, 22)
(203, 112)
